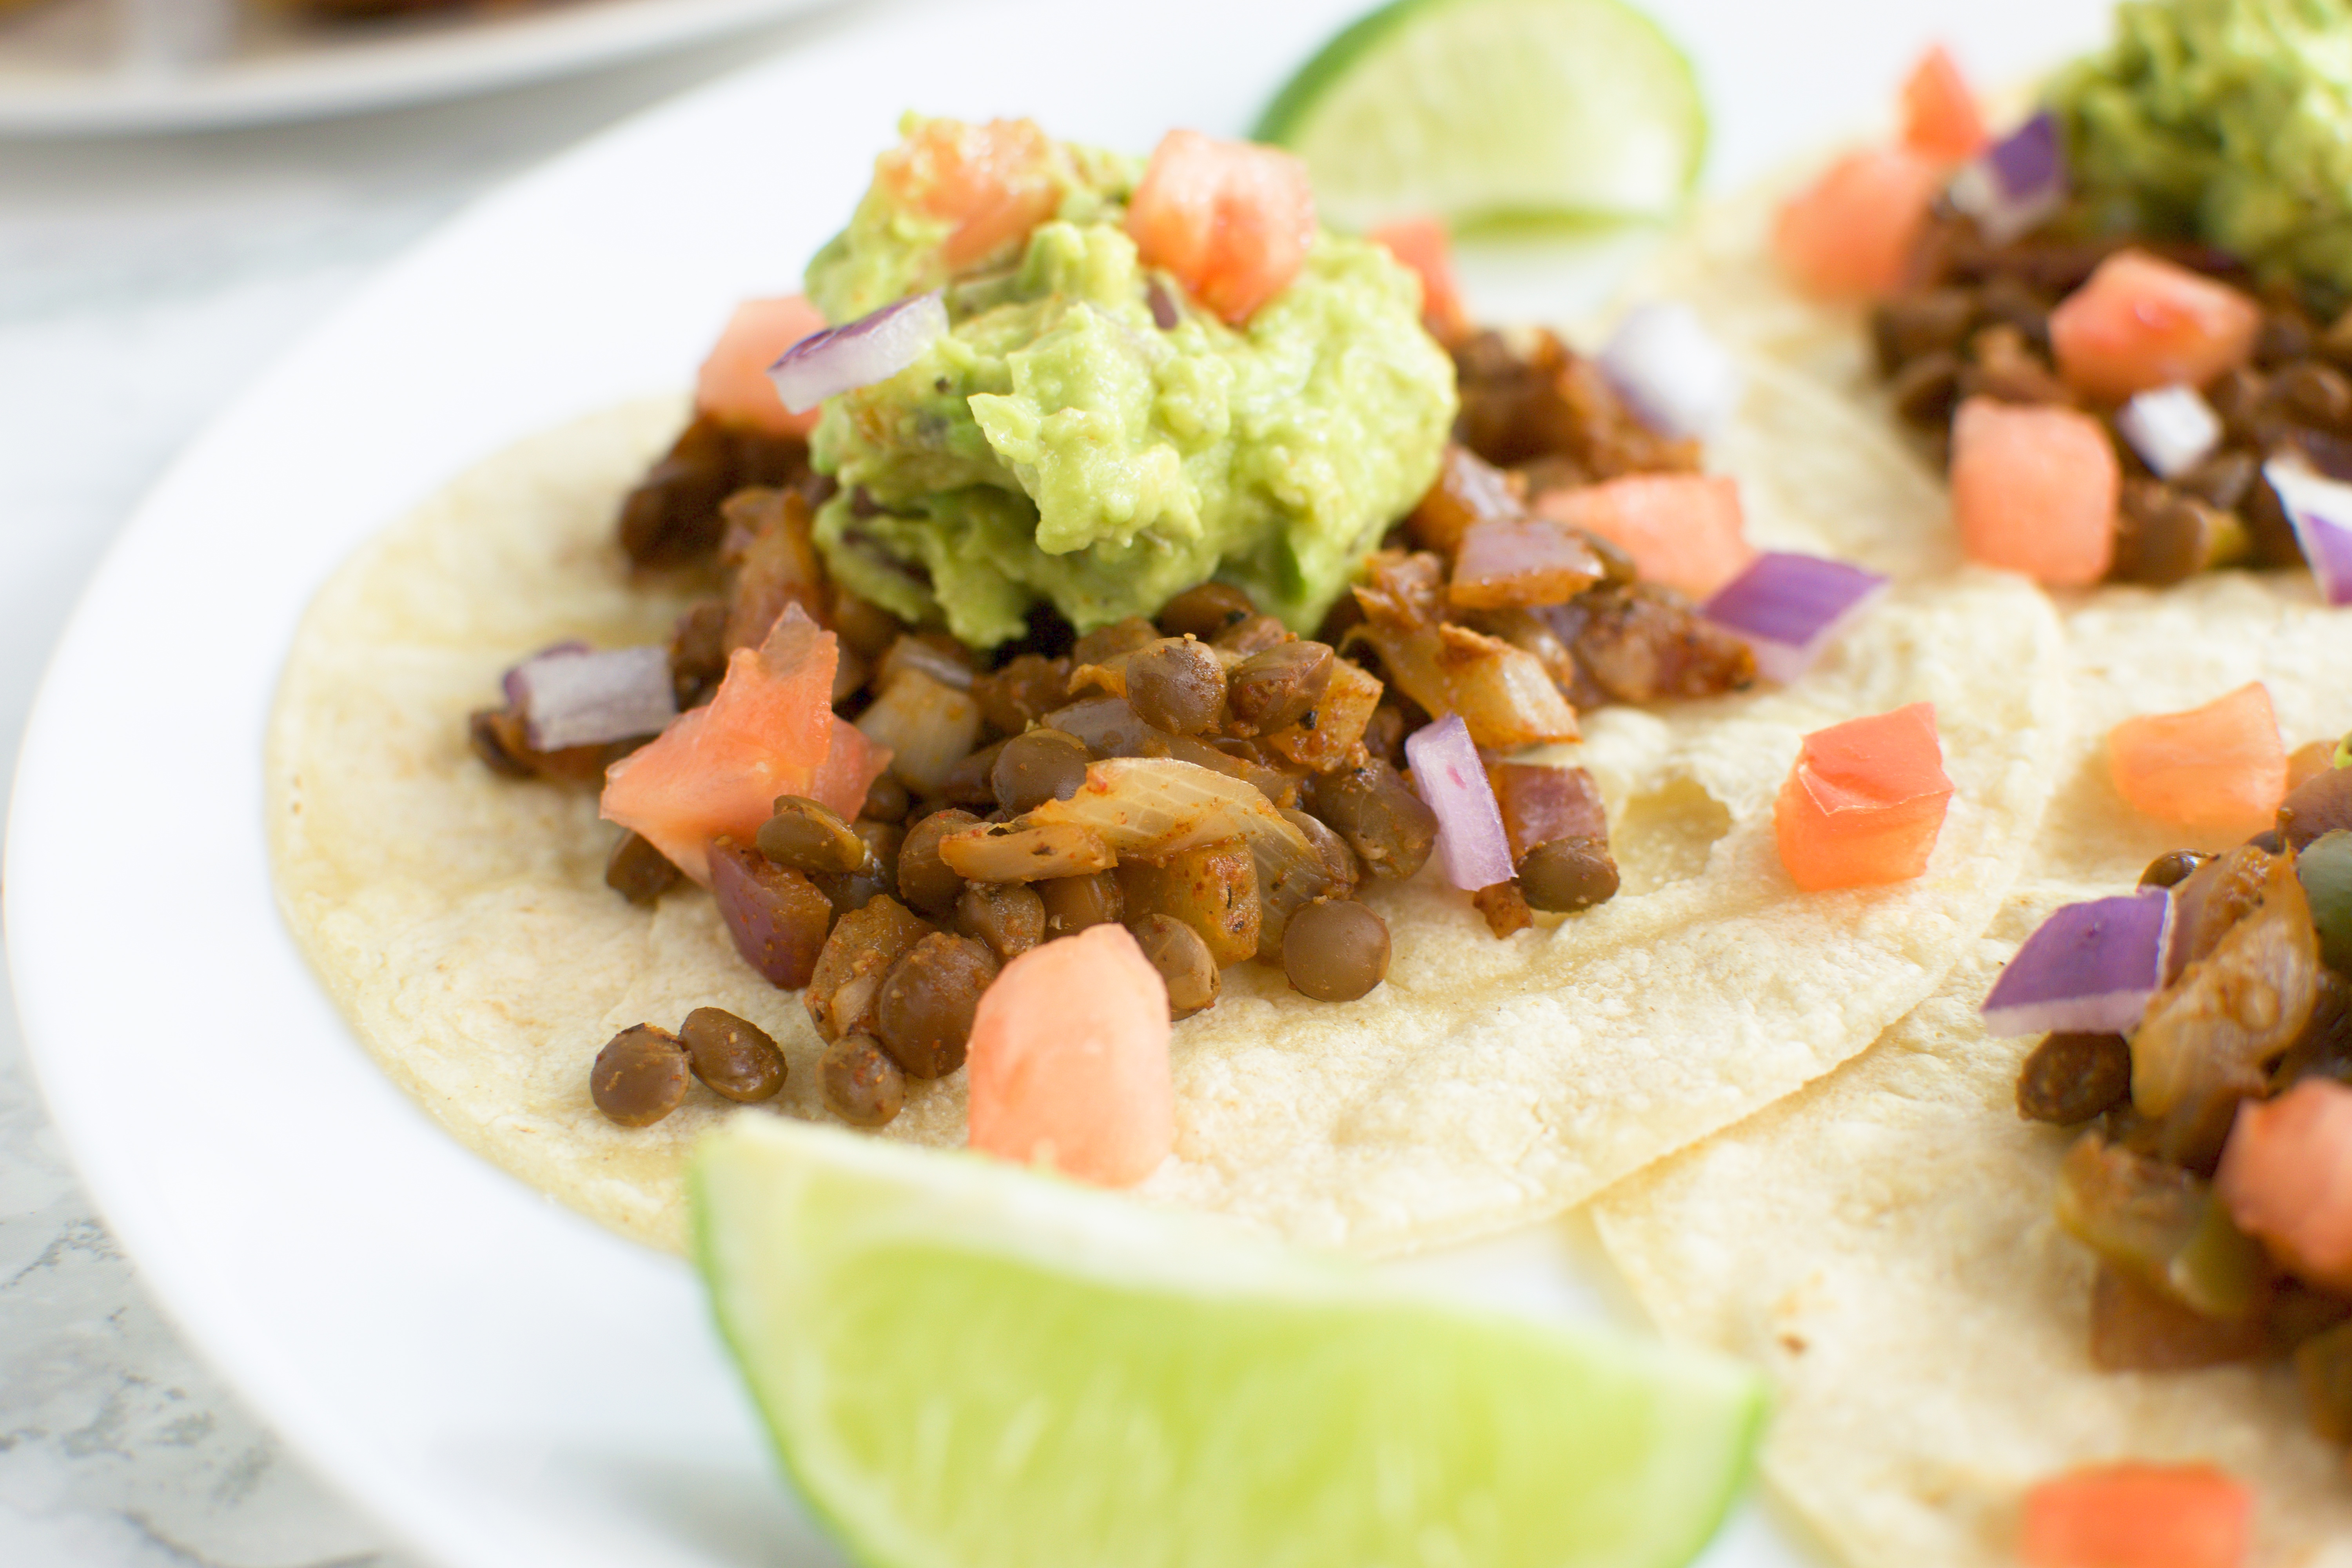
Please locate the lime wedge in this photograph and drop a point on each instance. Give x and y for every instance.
(1493, 113)
(965, 1365)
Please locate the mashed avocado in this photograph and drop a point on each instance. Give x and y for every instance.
(1059, 445)
(2231, 119)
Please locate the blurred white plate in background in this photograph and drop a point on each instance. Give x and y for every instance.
(78, 67)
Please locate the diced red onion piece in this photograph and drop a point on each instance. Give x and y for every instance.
(1678, 379)
(570, 697)
(2321, 510)
(1790, 607)
(778, 920)
(2089, 970)
(2016, 183)
(2171, 428)
(860, 353)
(1448, 773)
(511, 682)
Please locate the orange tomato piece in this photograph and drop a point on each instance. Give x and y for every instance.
(2218, 770)
(2034, 489)
(993, 182)
(1865, 801)
(1421, 244)
(1231, 220)
(2140, 323)
(1941, 117)
(2137, 1516)
(2287, 1175)
(1068, 1061)
(1685, 531)
(770, 730)
(732, 387)
(1849, 234)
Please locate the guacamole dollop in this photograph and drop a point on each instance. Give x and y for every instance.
(2230, 119)
(1062, 445)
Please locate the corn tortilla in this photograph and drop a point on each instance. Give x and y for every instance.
(1882, 1243)
(460, 921)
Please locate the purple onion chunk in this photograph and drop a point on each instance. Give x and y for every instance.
(858, 353)
(778, 918)
(1451, 777)
(570, 696)
(1790, 607)
(2017, 182)
(2089, 970)
(1661, 360)
(2320, 508)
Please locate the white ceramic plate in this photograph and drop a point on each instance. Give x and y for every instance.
(93, 66)
(436, 1340)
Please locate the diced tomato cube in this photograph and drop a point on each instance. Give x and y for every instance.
(733, 386)
(2034, 489)
(1685, 531)
(1232, 221)
(2137, 1516)
(1068, 1061)
(1865, 801)
(1941, 117)
(2140, 323)
(1421, 244)
(770, 730)
(2219, 770)
(1849, 233)
(994, 182)
(2287, 1175)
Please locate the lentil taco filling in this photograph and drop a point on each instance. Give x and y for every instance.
(2126, 316)
(1004, 783)
(1468, 799)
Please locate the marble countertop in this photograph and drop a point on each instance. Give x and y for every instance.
(143, 283)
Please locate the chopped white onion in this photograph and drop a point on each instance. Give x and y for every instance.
(2088, 970)
(928, 726)
(516, 690)
(1151, 808)
(1678, 379)
(1789, 607)
(2016, 183)
(911, 652)
(2320, 508)
(1449, 776)
(2172, 428)
(860, 353)
(569, 696)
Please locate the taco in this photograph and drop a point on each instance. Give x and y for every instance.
(1953, 1253)
(2123, 316)
(1215, 454)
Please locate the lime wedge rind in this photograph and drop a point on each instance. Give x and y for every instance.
(964, 1365)
(1516, 115)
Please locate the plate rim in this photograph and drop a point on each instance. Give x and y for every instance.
(480, 55)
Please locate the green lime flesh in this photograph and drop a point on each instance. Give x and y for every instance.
(964, 1365)
(1491, 113)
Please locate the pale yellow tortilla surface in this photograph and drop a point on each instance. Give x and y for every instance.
(1882, 1243)
(461, 923)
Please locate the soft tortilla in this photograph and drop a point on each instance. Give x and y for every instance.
(460, 921)
(1882, 1243)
